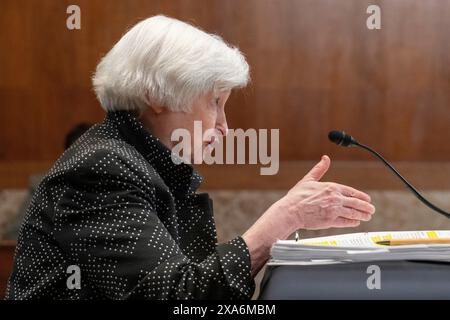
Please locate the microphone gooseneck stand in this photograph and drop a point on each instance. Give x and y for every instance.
(343, 139)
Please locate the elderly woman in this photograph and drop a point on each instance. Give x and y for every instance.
(119, 211)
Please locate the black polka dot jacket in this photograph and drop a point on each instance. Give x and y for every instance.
(116, 209)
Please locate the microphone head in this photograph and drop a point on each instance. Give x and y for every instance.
(341, 138)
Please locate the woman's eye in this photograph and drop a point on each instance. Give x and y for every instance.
(217, 101)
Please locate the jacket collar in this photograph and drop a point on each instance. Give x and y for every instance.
(181, 178)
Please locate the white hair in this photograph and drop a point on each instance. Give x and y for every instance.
(168, 62)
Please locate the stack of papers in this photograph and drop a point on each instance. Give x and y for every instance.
(360, 247)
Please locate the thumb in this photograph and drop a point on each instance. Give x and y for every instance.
(318, 171)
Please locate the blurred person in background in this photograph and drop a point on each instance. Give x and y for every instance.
(12, 230)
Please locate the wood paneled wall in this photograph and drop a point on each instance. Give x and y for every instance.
(315, 66)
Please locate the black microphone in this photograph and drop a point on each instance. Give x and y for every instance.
(346, 140)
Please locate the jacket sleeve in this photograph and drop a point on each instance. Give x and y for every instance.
(107, 225)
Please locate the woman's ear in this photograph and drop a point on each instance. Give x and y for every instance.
(157, 109)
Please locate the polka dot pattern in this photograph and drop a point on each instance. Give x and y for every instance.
(117, 206)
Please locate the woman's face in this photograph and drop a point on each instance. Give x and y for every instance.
(209, 109)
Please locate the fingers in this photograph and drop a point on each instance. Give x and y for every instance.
(352, 192)
(318, 171)
(353, 214)
(357, 204)
(342, 222)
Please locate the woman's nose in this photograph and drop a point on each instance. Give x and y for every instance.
(223, 129)
(222, 125)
